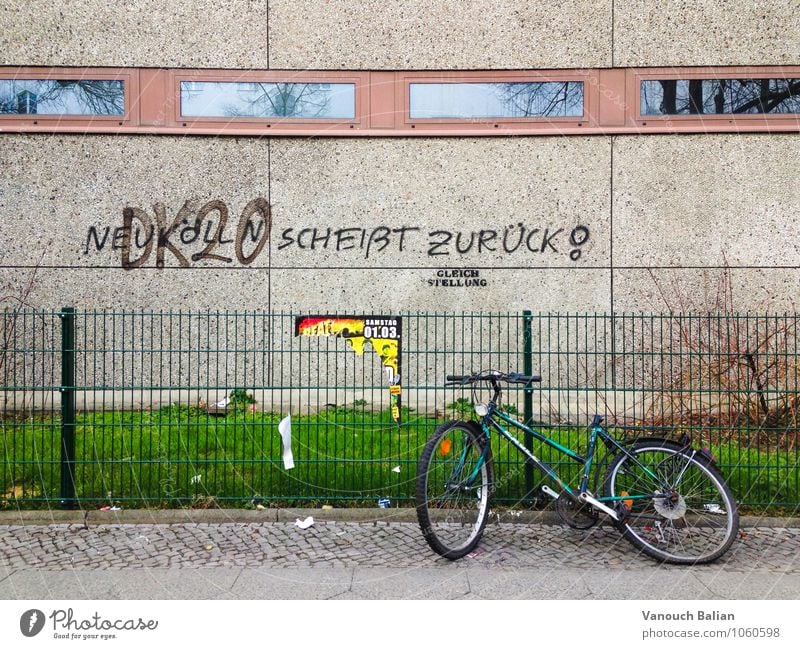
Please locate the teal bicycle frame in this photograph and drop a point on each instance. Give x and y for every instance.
(488, 422)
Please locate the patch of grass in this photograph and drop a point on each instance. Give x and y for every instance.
(179, 456)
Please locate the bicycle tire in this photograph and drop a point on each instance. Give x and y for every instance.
(452, 511)
(696, 525)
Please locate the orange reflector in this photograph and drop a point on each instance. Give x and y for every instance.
(627, 503)
(444, 447)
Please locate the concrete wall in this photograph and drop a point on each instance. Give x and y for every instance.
(664, 215)
(399, 34)
(369, 224)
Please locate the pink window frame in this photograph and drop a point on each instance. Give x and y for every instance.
(711, 121)
(359, 81)
(129, 77)
(611, 104)
(501, 76)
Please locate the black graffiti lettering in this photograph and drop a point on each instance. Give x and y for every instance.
(484, 237)
(207, 236)
(122, 237)
(254, 230)
(286, 239)
(508, 230)
(528, 240)
(300, 237)
(256, 206)
(465, 250)
(147, 241)
(128, 216)
(189, 234)
(250, 230)
(98, 242)
(547, 239)
(343, 236)
(433, 249)
(382, 238)
(578, 237)
(402, 232)
(324, 238)
(222, 210)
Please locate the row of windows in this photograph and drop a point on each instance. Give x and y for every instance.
(427, 100)
(391, 98)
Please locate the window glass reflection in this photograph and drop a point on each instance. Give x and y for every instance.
(61, 97)
(245, 99)
(720, 96)
(496, 100)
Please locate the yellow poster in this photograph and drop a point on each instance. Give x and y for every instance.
(383, 333)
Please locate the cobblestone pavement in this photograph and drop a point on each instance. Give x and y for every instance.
(348, 544)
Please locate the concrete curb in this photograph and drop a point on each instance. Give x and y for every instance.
(205, 516)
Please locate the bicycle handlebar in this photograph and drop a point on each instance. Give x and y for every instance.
(511, 377)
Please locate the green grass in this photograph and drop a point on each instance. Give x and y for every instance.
(181, 456)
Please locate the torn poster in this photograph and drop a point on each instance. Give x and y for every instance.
(384, 333)
(285, 429)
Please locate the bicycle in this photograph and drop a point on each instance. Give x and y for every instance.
(665, 497)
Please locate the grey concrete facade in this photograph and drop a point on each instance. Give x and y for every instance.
(366, 224)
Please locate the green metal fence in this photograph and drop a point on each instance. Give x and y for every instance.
(116, 408)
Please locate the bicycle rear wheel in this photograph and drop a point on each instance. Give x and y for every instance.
(454, 481)
(694, 521)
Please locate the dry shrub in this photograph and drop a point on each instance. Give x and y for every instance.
(727, 375)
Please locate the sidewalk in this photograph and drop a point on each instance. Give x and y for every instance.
(364, 554)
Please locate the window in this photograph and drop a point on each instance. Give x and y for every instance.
(267, 100)
(417, 103)
(61, 97)
(496, 100)
(720, 96)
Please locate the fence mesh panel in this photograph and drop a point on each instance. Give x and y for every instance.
(146, 429)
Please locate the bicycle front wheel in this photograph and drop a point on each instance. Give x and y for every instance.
(687, 515)
(454, 481)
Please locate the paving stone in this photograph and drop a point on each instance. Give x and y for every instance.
(351, 544)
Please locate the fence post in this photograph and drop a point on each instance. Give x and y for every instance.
(67, 495)
(527, 405)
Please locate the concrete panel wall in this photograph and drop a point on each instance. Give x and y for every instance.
(706, 32)
(707, 200)
(425, 34)
(459, 186)
(703, 290)
(147, 33)
(62, 200)
(355, 223)
(365, 223)
(383, 224)
(414, 34)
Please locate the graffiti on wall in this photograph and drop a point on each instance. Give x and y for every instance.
(211, 234)
(516, 238)
(207, 234)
